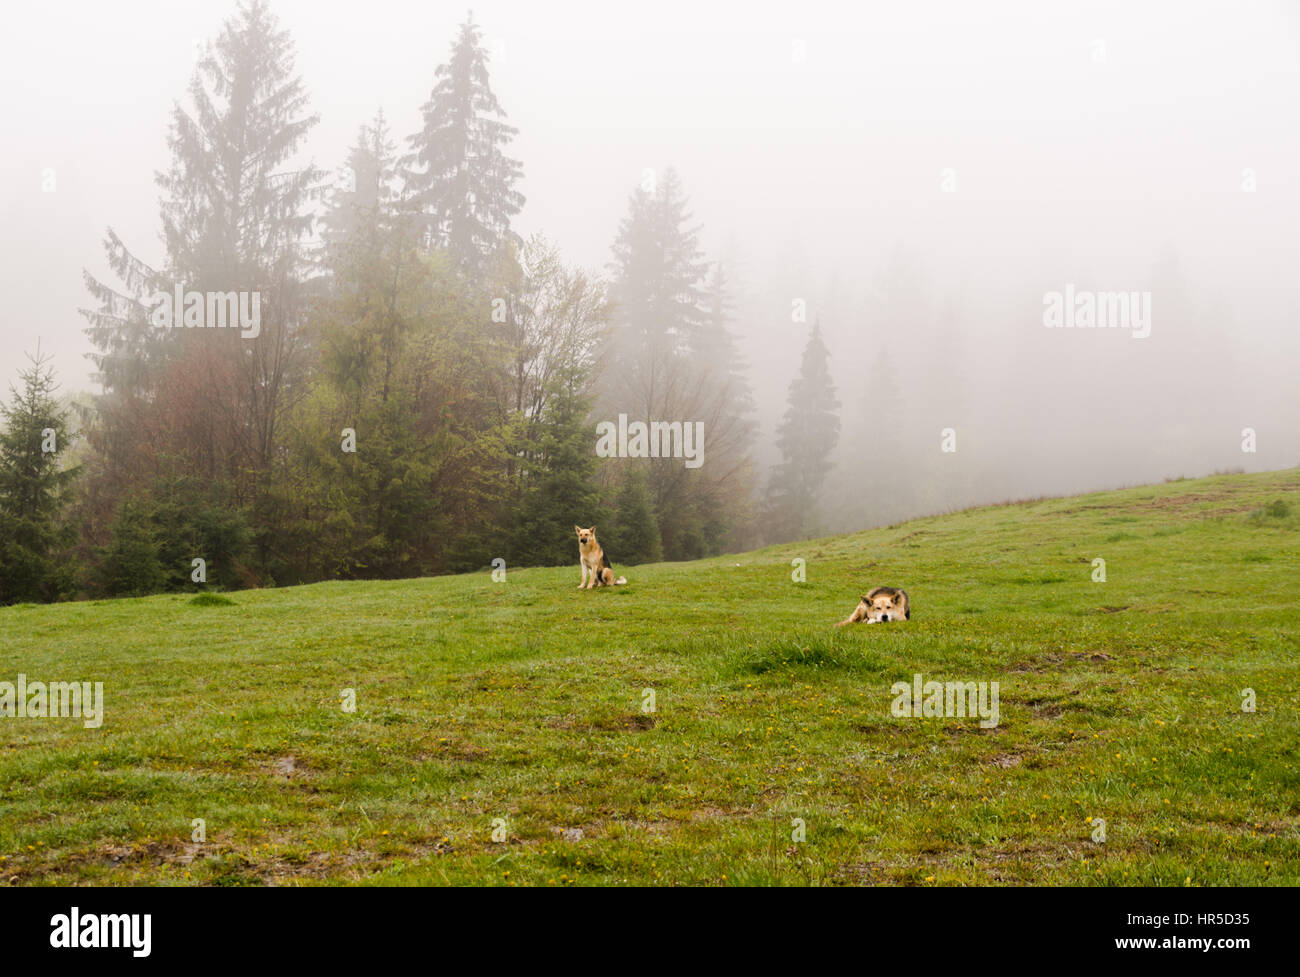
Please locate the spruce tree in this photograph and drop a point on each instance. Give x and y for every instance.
(715, 346)
(658, 276)
(34, 487)
(365, 205)
(561, 492)
(234, 211)
(806, 438)
(131, 564)
(235, 218)
(634, 536)
(458, 176)
(665, 359)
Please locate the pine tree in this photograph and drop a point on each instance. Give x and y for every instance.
(235, 218)
(670, 359)
(365, 206)
(561, 491)
(715, 347)
(806, 438)
(658, 277)
(634, 536)
(458, 176)
(34, 488)
(131, 564)
(233, 211)
(717, 357)
(371, 254)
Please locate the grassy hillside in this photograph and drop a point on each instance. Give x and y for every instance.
(523, 701)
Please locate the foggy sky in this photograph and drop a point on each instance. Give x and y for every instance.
(807, 175)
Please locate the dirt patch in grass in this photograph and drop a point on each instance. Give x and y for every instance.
(1033, 856)
(1180, 501)
(1043, 664)
(286, 767)
(647, 827)
(112, 855)
(461, 750)
(637, 722)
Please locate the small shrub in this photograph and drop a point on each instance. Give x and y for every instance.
(211, 600)
(1274, 511)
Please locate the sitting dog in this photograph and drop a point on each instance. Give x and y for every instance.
(881, 605)
(596, 571)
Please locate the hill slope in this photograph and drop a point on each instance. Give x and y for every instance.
(771, 755)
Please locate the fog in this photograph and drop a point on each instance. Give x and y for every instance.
(918, 177)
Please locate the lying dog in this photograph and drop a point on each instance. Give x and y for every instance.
(596, 571)
(880, 605)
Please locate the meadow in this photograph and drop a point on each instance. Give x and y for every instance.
(706, 724)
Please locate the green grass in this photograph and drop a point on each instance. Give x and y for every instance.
(523, 701)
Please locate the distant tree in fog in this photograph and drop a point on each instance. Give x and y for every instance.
(202, 402)
(360, 210)
(659, 275)
(807, 437)
(458, 176)
(672, 357)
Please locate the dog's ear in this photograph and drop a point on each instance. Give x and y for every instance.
(864, 599)
(898, 598)
(592, 529)
(578, 530)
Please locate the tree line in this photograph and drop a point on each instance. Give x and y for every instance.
(421, 393)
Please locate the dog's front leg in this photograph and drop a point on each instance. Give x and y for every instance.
(583, 568)
(859, 614)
